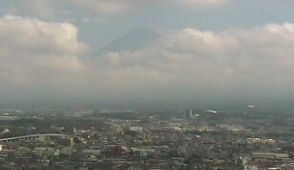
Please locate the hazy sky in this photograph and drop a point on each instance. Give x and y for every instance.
(209, 50)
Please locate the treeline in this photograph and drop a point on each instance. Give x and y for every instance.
(122, 115)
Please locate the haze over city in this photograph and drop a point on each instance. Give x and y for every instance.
(146, 85)
(98, 51)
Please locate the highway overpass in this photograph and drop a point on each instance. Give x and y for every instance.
(35, 137)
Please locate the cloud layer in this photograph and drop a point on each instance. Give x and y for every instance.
(231, 63)
(52, 8)
(114, 6)
(39, 56)
(34, 51)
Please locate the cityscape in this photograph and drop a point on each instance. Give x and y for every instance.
(125, 139)
(146, 85)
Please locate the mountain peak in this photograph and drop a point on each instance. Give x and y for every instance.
(134, 40)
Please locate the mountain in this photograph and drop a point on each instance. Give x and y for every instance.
(134, 40)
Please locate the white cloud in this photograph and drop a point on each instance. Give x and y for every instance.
(192, 61)
(49, 9)
(34, 51)
(185, 63)
(39, 8)
(114, 6)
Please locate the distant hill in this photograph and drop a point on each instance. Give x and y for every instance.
(134, 40)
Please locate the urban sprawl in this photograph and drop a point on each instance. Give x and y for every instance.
(108, 139)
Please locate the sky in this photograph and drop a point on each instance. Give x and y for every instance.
(206, 51)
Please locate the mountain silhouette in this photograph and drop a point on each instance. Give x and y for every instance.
(134, 40)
